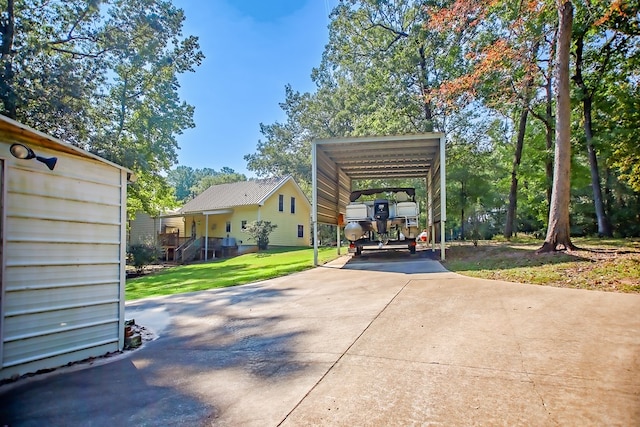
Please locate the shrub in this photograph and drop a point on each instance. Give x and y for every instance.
(142, 254)
(259, 231)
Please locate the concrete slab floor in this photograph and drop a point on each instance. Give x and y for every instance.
(404, 343)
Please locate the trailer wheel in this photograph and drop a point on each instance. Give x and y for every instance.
(412, 248)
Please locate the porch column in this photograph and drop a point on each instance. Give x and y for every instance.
(337, 178)
(206, 236)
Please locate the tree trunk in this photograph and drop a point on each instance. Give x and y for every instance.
(548, 163)
(604, 228)
(607, 197)
(424, 87)
(558, 231)
(510, 226)
(547, 121)
(513, 192)
(8, 95)
(462, 200)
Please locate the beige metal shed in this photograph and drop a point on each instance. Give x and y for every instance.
(62, 252)
(337, 162)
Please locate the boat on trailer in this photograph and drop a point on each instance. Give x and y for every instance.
(389, 220)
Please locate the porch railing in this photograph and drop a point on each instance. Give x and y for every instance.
(171, 240)
(194, 249)
(188, 251)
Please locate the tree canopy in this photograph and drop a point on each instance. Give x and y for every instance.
(102, 75)
(485, 73)
(189, 182)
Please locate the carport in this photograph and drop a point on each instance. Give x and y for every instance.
(337, 162)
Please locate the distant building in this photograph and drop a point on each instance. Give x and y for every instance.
(215, 219)
(166, 233)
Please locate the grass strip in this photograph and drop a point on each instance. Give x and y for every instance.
(220, 273)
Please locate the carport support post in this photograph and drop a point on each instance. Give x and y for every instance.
(443, 197)
(432, 223)
(337, 178)
(314, 208)
(429, 226)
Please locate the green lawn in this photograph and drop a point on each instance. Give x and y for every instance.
(221, 273)
(611, 265)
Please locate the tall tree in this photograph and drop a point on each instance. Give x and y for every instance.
(526, 96)
(546, 116)
(606, 37)
(623, 106)
(102, 75)
(469, 186)
(505, 44)
(182, 178)
(392, 62)
(604, 229)
(52, 64)
(376, 75)
(586, 95)
(558, 231)
(287, 147)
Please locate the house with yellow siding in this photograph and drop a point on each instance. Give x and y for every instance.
(215, 220)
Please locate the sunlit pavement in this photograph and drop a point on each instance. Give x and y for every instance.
(378, 340)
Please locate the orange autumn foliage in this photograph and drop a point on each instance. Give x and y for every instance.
(617, 8)
(461, 14)
(493, 61)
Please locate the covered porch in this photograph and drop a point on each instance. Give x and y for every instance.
(208, 239)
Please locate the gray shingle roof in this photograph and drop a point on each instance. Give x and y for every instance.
(224, 196)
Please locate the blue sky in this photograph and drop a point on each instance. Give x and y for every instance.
(252, 48)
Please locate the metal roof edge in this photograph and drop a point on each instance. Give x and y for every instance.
(403, 137)
(282, 182)
(21, 133)
(275, 188)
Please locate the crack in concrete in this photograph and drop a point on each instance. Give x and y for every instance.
(524, 368)
(333, 365)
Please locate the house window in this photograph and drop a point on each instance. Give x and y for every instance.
(280, 203)
(293, 205)
(300, 230)
(228, 226)
(244, 224)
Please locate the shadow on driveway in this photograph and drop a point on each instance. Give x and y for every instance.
(210, 333)
(116, 394)
(397, 261)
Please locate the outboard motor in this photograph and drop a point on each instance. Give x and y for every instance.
(381, 214)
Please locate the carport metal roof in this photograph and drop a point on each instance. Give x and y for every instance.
(337, 162)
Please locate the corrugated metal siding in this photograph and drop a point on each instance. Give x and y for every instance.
(62, 296)
(27, 301)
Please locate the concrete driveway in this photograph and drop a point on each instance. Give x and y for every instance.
(373, 342)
